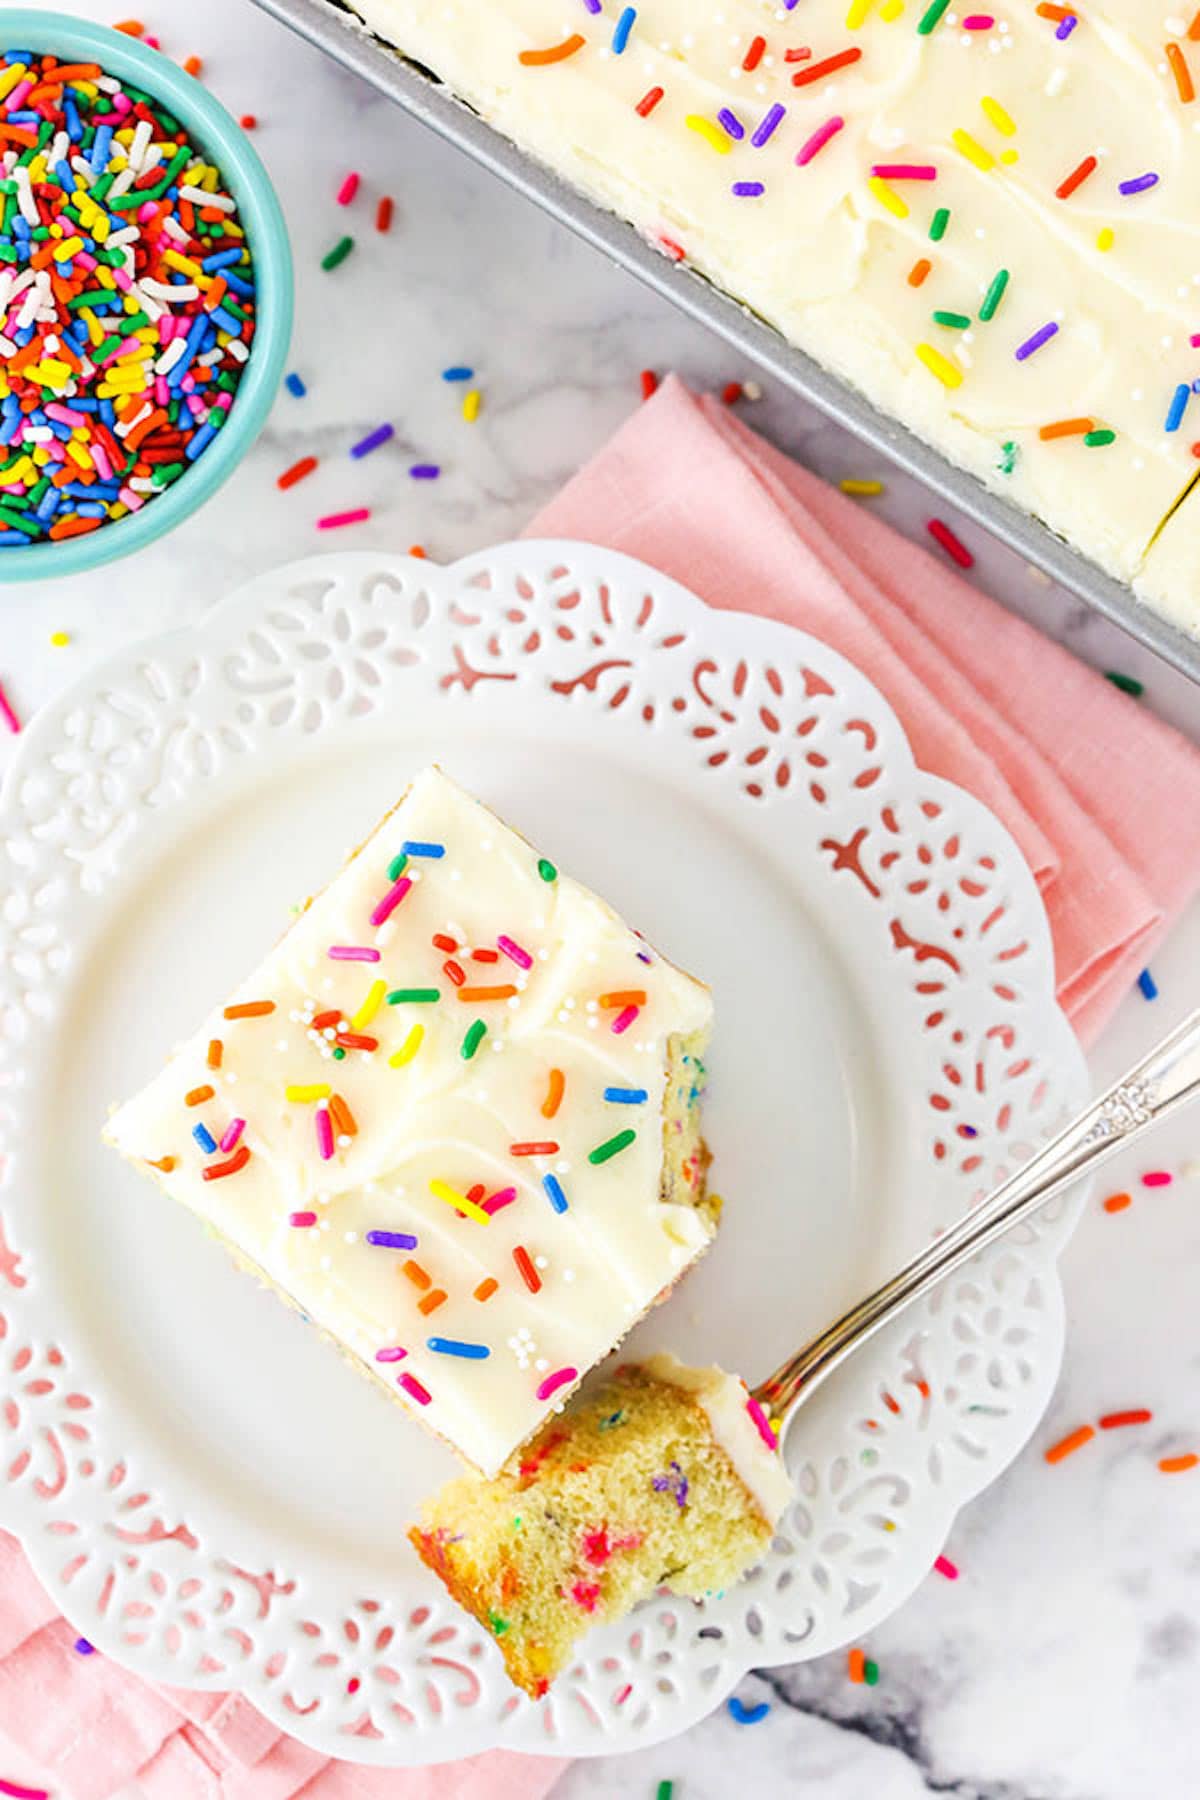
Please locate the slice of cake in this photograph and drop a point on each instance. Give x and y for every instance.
(661, 1475)
(453, 1117)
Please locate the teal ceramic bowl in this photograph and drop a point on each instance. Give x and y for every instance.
(224, 142)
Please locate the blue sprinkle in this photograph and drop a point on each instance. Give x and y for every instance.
(226, 321)
(84, 1648)
(293, 384)
(626, 1096)
(746, 1715)
(1148, 985)
(392, 1240)
(204, 1138)
(1178, 406)
(460, 371)
(454, 1347)
(554, 1193)
(622, 29)
(412, 848)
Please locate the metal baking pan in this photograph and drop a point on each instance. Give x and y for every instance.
(342, 35)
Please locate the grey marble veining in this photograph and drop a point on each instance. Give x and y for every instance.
(1063, 1664)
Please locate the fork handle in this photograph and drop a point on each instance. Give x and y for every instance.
(1163, 1080)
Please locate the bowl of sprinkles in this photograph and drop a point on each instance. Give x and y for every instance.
(145, 294)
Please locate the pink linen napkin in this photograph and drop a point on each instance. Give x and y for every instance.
(1102, 797)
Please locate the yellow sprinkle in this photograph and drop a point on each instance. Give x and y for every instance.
(963, 142)
(887, 196)
(891, 9)
(41, 456)
(65, 251)
(948, 373)
(864, 488)
(472, 401)
(313, 1090)
(370, 1005)
(1010, 156)
(184, 264)
(78, 454)
(60, 638)
(1104, 238)
(11, 77)
(712, 134)
(49, 373)
(408, 1048)
(858, 12)
(21, 470)
(441, 1190)
(1002, 120)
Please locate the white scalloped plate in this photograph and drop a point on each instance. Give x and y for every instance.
(209, 1495)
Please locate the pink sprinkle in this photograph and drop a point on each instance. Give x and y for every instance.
(943, 1565)
(6, 712)
(762, 1422)
(1157, 1178)
(305, 1218)
(622, 1697)
(391, 1353)
(514, 953)
(552, 1383)
(353, 953)
(1194, 341)
(818, 140)
(233, 1132)
(16, 1792)
(391, 901)
(904, 171)
(502, 1197)
(331, 521)
(348, 189)
(625, 1018)
(412, 1386)
(978, 22)
(324, 1132)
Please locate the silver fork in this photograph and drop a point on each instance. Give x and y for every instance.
(1154, 1087)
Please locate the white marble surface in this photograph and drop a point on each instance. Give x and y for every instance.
(1062, 1666)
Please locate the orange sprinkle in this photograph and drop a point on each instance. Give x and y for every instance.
(856, 1665)
(554, 1093)
(918, 272)
(131, 27)
(1059, 13)
(1193, 30)
(1067, 428)
(626, 997)
(72, 527)
(74, 72)
(432, 1301)
(529, 1274)
(198, 1096)
(416, 1274)
(1182, 74)
(192, 65)
(417, 550)
(165, 1163)
(250, 1009)
(1117, 1202)
(1137, 1415)
(487, 1288)
(343, 1119)
(1178, 1465)
(1074, 1440)
(538, 59)
(471, 994)
(539, 1149)
(216, 1050)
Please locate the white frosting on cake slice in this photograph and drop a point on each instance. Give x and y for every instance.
(739, 1428)
(486, 1183)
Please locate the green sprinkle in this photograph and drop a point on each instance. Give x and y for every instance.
(941, 219)
(13, 521)
(955, 321)
(1008, 458)
(338, 254)
(994, 295)
(547, 870)
(497, 1625)
(473, 1039)
(414, 996)
(517, 1523)
(617, 1418)
(871, 1673)
(1128, 684)
(339, 1054)
(665, 1790)
(397, 866)
(612, 1147)
(1096, 440)
(932, 17)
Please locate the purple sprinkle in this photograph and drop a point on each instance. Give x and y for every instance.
(1139, 184)
(84, 1648)
(1066, 27)
(392, 1240)
(353, 953)
(732, 124)
(748, 190)
(514, 953)
(1036, 341)
(392, 1354)
(593, 6)
(424, 471)
(674, 1482)
(642, 957)
(372, 441)
(770, 120)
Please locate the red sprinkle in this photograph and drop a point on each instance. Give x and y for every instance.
(731, 392)
(546, 1149)
(297, 472)
(239, 1159)
(1076, 178)
(649, 381)
(827, 66)
(248, 121)
(953, 546)
(754, 54)
(383, 213)
(1137, 1415)
(529, 1274)
(649, 101)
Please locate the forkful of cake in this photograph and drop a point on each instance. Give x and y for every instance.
(666, 1475)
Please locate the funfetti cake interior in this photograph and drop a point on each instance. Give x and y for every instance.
(980, 216)
(453, 1116)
